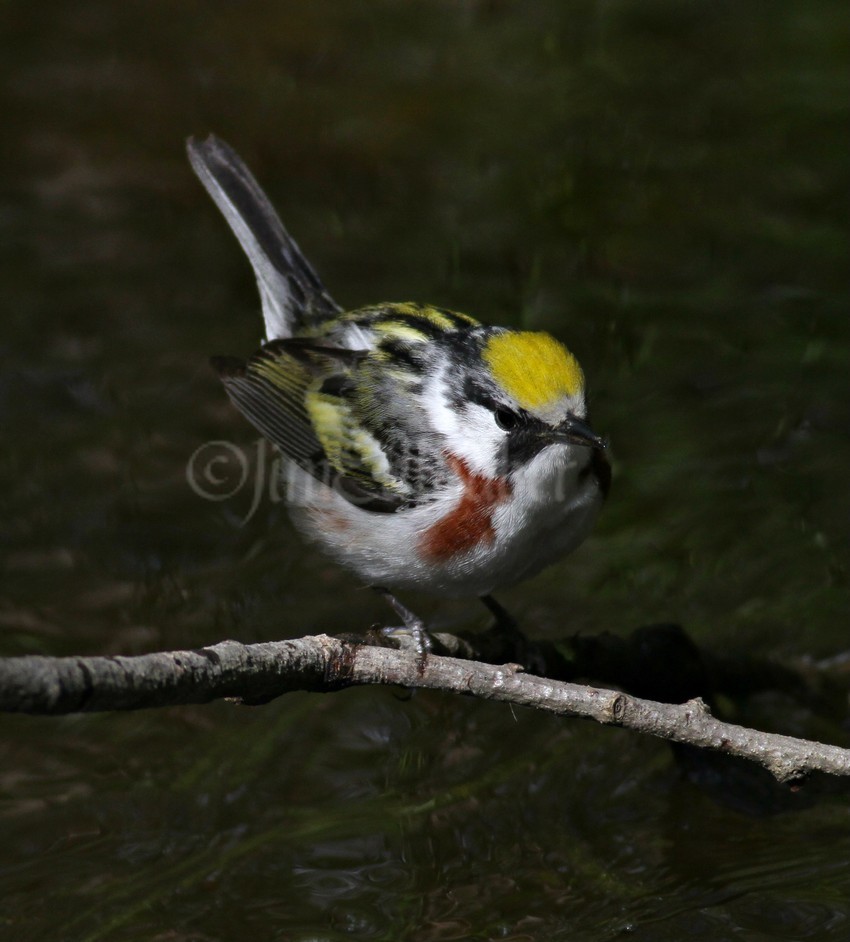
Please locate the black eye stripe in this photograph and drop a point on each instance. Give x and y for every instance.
(476, 392)
(522, 423)
(482, 396)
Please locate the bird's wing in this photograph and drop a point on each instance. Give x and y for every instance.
(292, 294)
(295, 392)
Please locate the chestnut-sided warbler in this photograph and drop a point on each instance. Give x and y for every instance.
(422, 449)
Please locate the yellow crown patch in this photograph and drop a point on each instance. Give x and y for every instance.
(534, 368)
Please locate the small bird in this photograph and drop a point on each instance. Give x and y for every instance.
(422, 449)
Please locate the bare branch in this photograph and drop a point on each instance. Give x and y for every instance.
(257, 673)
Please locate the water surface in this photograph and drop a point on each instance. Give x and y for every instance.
(664, 186)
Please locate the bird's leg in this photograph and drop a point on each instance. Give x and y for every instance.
(413, 625)
(505, 622)
(507, 634)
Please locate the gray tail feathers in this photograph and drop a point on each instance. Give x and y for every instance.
(293, 296)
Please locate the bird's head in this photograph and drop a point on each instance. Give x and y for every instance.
(505, 397)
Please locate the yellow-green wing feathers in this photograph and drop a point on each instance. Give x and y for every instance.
(349, 447)
(292, 391)
(329, 400)
(269, 391)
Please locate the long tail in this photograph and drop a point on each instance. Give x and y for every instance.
(293, 296)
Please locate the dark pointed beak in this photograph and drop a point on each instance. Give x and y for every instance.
(576, 432)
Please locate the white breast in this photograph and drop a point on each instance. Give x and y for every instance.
(550, 510)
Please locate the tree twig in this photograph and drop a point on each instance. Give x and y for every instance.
(257, 673)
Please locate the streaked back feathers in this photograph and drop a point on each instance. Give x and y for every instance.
(339, 413)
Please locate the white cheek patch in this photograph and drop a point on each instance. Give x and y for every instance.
(483, 441)
(469, 430)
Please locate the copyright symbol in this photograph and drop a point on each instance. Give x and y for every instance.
(217, 470)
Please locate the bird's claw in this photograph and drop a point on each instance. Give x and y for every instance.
(413, 633)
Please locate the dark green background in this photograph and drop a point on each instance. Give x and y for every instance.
(665, 186)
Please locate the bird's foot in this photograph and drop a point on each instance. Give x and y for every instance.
(412, 633)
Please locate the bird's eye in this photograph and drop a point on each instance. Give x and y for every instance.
(505, 419)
